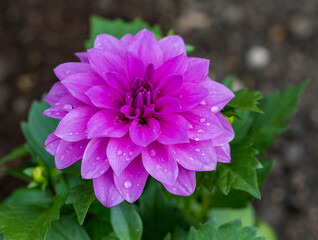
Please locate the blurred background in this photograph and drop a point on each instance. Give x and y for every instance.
(267, 45)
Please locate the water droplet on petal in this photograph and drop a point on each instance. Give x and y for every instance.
(201, 131)
(191, 158)
(202, 120)
(119, 152)
(130, 154)
(203, 102)
(153, 153)
(197, 139)
(127, 159)
(127, 184)
(214, 109)
(208, 124)
(67, 107)
(98, 158)
(197, 149)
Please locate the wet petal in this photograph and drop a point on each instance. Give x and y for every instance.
(169, 85)
(132, 180)
(195, 156)
(73, 126)
(120, 152)
(109, 43)
(126, 39)
(197, 71)
(65, 70)
(167, 104)
(173, 128)
(118, 81)
(135, 67)
(224, 153)
(159, 163)
(172, 46)
(144, 133)
(79, 84)
(228, 132)
(68, 153)
(95, 162)
(106, 191)
(56, 93)
(185, 183)
(107, 123)
(83, 57)
(51, 143)
(103, 96)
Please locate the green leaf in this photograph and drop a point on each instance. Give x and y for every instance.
(37, 129)
(265, 230)
(81, 196)
(189, 48)
(159, 215)
(229, 231)
(24, 196)
(126, 222)
(246, 100)
(228, 81)
(117, 28)
(28, 222)
(240, 174)
(66, 229)
(16, 153)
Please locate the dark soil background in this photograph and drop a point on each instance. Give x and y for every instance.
(267, 45)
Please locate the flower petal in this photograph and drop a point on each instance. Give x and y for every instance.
(224, 153)
(159, 163)
(197, 71)
(107, 123)
(169, 85)
(108, 42)
(79, 84)
(106, 191)
(73, 126)
(105, 61)
(126, 39)
(144, 133)
(195, 156)
(135, 67)
(173, 128)
(83, 57)
(68, 153)
(218, 97)
(146, 46)
(103, 96)
(167, 104)
(172, 46)
(65, 70)
(94, 161)
(56, 93)
(117, 80)
(185, 183)
(131, 182)
(228, 132)
(51, 143)
(120, 152)
(190, 95)
(203, 124)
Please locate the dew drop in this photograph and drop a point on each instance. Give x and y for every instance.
(127, 184)
(57, 113)
(105, 133)
(98, 158)
(203, 102)
(153, 153)
(208, 124)
(130, 153)
(191, 158)
(202, 120)
(203, 154)
(197, 139)
(127, 159)
(71, 134)
(214, 109)
(201, 131)
(197, 149)
(119, 152)
(67, 107)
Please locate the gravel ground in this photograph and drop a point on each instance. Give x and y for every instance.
(267, 45)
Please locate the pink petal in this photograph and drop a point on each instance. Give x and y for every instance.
(173, 129)
(83, 57)
(68, 153)
(135, 67)
(224, 153)
(107, 123)
(195, 156)
(109, 43)
(203, 124)
(105, 61)
(65, 70)
(169, 85)
(185, 183)
(131, 182)
(79, 84)
(146, 46)
(218, 97)
(56, 93)
(228, 132)
(117, 80)
(172, 46)
(144, 133)
(51, 143)
(103, 96)
(127, 38)
(159, 163)
(94, 161)
(120, 152)
(106, 191)
(197, 71)
(73, 126)
(167, 104)
(190, 95)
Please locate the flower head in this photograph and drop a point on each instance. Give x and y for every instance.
(134, 107)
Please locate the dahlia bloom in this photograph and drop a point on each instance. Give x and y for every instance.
(134, 107)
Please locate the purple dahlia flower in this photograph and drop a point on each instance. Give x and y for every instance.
(138, 106)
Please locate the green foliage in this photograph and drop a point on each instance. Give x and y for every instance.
(246, 100)
(16, 153)
(126, 222)
(118, 28)
(81, 196)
